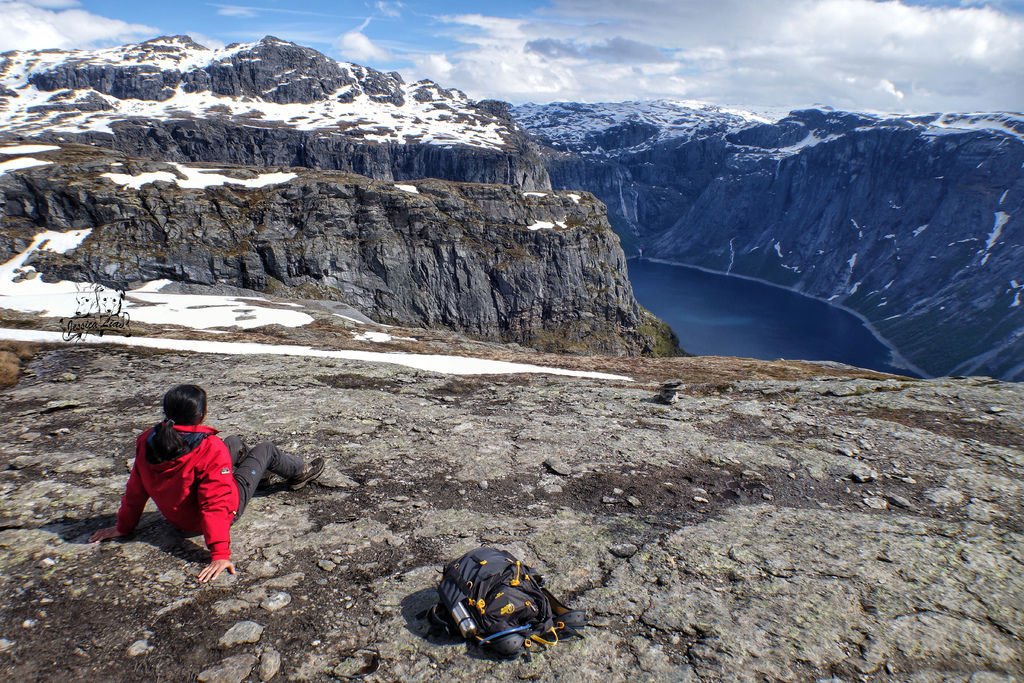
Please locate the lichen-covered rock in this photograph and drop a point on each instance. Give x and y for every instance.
(779, 573)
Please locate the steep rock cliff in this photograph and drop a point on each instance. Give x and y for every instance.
(541, 269)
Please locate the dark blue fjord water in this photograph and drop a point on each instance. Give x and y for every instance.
(729, 316)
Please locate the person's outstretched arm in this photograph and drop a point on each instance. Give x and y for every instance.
(218, 500)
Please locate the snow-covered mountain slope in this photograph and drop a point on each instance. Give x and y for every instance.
(265, 84)
(611, 128)
(915, 222)
(608, 129)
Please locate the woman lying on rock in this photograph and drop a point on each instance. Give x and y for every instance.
(200, 483)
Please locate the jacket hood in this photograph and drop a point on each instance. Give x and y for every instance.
(191, 435)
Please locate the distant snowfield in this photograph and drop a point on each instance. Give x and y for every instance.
(547, 225)
(379, 337)
(27, 149)
(196, 178)
(448, 365)
(21, 163)
(22, 289)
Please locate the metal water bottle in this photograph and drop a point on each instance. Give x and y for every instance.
(462, 617)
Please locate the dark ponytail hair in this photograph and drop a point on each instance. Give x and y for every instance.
(185, 404)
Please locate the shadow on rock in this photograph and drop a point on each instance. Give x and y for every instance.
(414, 610)
(153, 530)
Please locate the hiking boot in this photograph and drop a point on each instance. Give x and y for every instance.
(313, 469)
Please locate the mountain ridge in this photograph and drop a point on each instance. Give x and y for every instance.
(911, 222)
(271, 102)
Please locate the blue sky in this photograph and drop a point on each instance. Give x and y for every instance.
(890, 55)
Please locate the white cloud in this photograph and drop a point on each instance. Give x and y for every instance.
(355, 46)
(237, 11)
(389, 9)
(858, 54)
(36, 25)
(53, 4)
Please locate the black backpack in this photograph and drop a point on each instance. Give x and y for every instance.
(489, 597)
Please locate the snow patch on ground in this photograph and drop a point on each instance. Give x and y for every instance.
(196, 178)
(23, 289)
(574, 197)
(919, 230)
(450, 365)
(21, 163)
(1001, 218)
(203, 311)
(379, 337)
(27, 149)
(412, 189)
(812, 140)
(542, 225)
(535, 194)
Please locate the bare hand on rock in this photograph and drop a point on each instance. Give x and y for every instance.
(105, 534)
(213, 570)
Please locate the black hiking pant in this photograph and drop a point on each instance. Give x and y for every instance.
(250, 464)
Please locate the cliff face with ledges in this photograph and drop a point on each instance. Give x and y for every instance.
(460, 256)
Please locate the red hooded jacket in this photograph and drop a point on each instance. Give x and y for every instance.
(196, 492)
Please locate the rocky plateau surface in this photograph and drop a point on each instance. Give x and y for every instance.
(761, 521)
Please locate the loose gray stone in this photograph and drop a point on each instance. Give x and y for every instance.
(242, 632)
(558, 466)
(276, 601)
(326, 565)
(899, 501)
(863, 474)
(623, 550)
(230, 670)
(139, 647)
(6, 645)
(634, 501)
(270, 664)
(876, 503)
